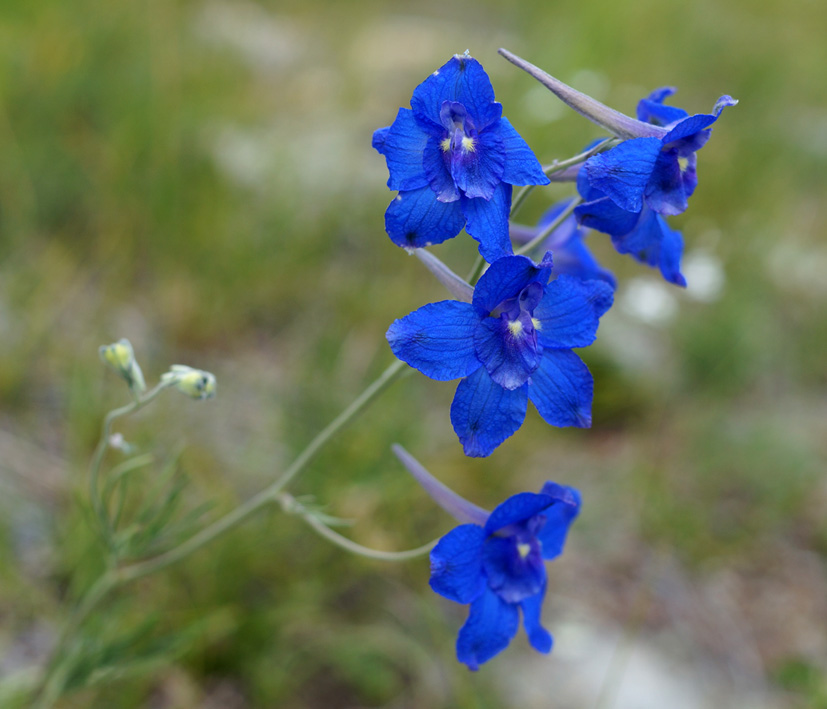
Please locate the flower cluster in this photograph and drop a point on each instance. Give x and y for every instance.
(509, 337)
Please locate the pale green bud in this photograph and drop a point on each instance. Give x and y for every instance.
(120, 357)
(195, 383)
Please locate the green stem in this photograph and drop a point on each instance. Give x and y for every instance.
(355, 548)
(559, 166)
(476, 270)
(270, 493)
(103, 444)
(521, 197)
(52, 683)
(550, 228)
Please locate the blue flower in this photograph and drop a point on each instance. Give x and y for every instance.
(568, 243)
(495, 561)
(511, 343)
(644, 234)
(659, 172)
(656, 161)
(453, 157)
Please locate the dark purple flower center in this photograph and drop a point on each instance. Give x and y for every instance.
(460, 132)
(513, 560)
(518, 312)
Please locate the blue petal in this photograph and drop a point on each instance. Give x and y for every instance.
(508, 350)
(488, 222)
(652, 242)
(490, 626)
(504, 279)
(416, 219)
(566, 314)
(722, 103)
(622, 172)
(513, 574)
(402, 146)
(575, 259)
(605, 216)
(562, 389)
(691, 129)
(484, 414)
(559, 517)
(584, 187)
(517, 509)
(652, 110)
(521, 165)
(538, 636)
(438, 172)
(671, 250)
(478, 171)
(461, 79)
(666, 192)
(456, 564)
(378, 139)
(437, 339)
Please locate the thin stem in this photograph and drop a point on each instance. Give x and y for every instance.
(550, 228)
(270, 493)
(103, 444)
(53, 681)
(559, 166)
(476, 270)
(521, 198)
(355, 548)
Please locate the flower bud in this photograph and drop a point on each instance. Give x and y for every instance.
(120, 357)
(195, 383)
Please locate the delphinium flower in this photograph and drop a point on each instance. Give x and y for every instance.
(454, 157)
(656, 161)
(513, 342)
(568, 244)
(644, 235)
(495, 562)
(659, 172)
(651, 173)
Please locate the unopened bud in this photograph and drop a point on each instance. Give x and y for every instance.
(195, 383)
(120, 357)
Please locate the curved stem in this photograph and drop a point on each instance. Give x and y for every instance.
(476, 270)
(270, 493)
(550, 228)
(559, 166)
(355, 548)
(52, 683)
(520, 199)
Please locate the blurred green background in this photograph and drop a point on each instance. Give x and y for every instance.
(197, 177)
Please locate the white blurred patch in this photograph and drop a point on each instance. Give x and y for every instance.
(244, 156)
(649, 301)
(264, 40)
(799, 268)
(596, 664)
(543, 106)
(705, 277)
